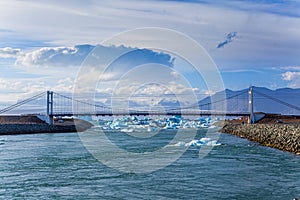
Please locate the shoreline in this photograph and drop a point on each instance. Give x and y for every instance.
(13, 125)
(284, 137)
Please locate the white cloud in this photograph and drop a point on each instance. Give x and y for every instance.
(57, 67)
(9, 52)
(64, 85)
(289, 76)
(175, 74)
(12, 90)
(153, 93)
(293, 68)
(50, 57)
(269, 36)
(55, 56)
(293, 78)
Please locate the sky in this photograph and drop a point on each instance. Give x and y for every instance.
(44, 43)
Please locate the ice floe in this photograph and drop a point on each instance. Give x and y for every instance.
(147, 124)
(197, 143)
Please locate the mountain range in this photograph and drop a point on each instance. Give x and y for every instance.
(279, 101)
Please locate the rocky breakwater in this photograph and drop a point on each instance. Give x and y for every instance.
(10, 125)
(281, 136)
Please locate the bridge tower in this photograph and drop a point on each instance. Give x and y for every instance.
(251, 117)
(49, 118)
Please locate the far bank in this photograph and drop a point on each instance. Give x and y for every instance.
(11, 125)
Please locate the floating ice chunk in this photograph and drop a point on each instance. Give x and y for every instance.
(174, 119)
(194, 143)
(127, 130)
(134, 118)
(208, 119)
(105, 127)
(151, 129)
(171, 125)
(94, 127)
(204, 125)
(212, 126)
(141, 125)
(179, 144)
(213, 143)
(203, 142)
(202, 120)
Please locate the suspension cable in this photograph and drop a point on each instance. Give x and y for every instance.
(278, 100)
(11, 107)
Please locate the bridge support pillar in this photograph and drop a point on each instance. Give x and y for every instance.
(251, 116)
(49, 118)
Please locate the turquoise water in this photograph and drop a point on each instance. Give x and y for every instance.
(58, 166)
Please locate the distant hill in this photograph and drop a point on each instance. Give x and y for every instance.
(262, 102)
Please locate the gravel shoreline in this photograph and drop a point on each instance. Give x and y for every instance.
(281, 136)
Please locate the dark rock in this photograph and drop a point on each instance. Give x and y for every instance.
(281, 136)
(26, 126)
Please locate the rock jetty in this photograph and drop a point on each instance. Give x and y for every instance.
(10, 125)
(281, 136)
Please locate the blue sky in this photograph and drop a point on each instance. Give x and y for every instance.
(252, 42)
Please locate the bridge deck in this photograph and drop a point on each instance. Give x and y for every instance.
(146, 113)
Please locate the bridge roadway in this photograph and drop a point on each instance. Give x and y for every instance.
(146, 113)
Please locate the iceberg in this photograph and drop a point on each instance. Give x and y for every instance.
(127, 130)
(147, 124)
(198, 143)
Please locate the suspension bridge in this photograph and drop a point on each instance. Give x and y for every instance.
(61, 105)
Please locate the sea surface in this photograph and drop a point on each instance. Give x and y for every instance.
(59, 166)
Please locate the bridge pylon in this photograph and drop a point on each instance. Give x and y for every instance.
(49, 117)
(251, 116)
